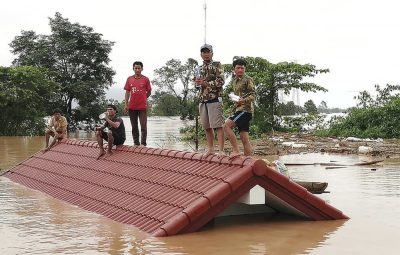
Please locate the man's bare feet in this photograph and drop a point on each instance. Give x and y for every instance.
(234, 155)
(108, 154)
(45, 149)
(208, 153)
(220, 154)
(101, 154)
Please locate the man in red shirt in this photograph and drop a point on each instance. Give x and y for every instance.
(137, 90)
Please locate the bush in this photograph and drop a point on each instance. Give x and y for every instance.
(374, 122)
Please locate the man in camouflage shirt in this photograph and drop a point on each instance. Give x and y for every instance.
(243, 87)
(210, 82)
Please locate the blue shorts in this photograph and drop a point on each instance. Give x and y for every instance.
(242, 120)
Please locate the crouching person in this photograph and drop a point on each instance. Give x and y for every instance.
(243, 88)
(57, 128)
(116, 131)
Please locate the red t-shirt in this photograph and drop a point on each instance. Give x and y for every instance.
(138, 88)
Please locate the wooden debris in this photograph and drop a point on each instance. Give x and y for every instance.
(314, 187)
(335, 164)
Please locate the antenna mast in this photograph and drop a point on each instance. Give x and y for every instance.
(205, 22)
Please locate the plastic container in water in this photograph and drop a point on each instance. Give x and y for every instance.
(364, 149)
(281, 168)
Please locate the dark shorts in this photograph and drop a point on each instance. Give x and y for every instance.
(118, 140)
(242, 120)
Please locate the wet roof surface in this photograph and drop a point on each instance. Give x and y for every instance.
(162, 192)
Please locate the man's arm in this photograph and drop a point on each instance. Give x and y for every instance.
(127, 94)
(148, 88)
(251, 92)
(51, 125)
(114, 124)
(64, 124)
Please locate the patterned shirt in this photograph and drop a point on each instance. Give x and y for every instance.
(213, 74)
(59, 125)
(244, 87)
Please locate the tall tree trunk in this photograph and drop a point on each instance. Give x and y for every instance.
(69, 104)
(271, 103)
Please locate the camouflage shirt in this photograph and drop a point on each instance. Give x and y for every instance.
(213, 74)
(244, 87)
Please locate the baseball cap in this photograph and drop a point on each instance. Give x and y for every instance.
(206, 46)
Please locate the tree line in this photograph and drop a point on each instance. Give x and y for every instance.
(71, 64)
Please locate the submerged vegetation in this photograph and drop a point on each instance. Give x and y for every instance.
(372, 118)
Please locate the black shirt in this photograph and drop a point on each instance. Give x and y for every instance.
(120, 131)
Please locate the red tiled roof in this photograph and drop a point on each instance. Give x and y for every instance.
(162, 192)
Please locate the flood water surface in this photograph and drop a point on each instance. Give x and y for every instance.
(32, 222)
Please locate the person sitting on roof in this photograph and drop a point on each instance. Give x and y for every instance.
(57, 128)
(116, 131)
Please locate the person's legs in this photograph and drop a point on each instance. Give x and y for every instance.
(210, 141)
(247, 149)
(221, 140)
(99, 138)
(56, 137)
(47, 134)
(203, 114)
(133, 116)
(110, 140)
(215, 113)
(143, 126)
(228, 128)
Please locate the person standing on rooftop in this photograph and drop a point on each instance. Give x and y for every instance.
(243, 87)
(210, 82)
(137, 90)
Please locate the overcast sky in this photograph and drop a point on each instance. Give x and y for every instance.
(358, 40)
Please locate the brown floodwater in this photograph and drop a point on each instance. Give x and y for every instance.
(32, 222)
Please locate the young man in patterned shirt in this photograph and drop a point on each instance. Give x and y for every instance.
(243, 86)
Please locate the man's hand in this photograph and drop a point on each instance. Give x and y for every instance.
(240, 102)
(126, 108)
(200, 82)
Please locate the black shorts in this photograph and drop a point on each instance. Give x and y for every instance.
(118, 140)
(242, 120)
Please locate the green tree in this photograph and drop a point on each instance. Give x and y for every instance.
(370, 122)
(310, 107)
(76, 57)
(26, 95)
(373, 118)
(168, 76)
(165, 104)
(288, 109)
(323, 107)
(383, 96)
(270, 78)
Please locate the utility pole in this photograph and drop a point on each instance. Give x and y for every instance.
(205, 22)
(197, 115)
